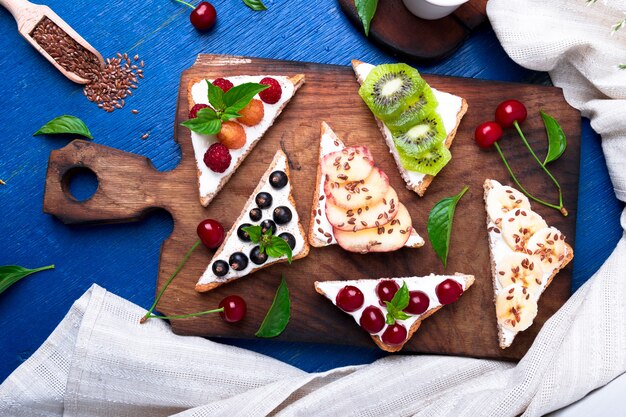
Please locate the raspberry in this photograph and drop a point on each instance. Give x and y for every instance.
(223, 83)
(271, 95)
(217, 157)
(193, 113)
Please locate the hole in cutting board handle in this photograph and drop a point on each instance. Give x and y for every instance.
(80, 183)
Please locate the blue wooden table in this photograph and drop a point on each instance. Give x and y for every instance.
(124, 258)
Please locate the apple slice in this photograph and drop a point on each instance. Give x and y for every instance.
(355, 194)
(365, 217)
(387, 238)
(349, 164)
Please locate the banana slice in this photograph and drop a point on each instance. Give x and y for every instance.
(516, 308)
(548, 246)
(502, 200)
(518, 226)
(521, 269)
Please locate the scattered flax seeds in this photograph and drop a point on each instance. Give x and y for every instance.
(2, 182)
(145, 136)
(134, 111)
(109, 85)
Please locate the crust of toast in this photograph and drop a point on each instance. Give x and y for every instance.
(297, 81)
(568, 258)
(414, 326)
(419, 188)
(305, 250)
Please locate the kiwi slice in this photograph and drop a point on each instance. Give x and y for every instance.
(416, 139)
(390, 88)
(429, 162)
(423, 104)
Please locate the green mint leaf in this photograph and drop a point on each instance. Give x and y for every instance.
(390, 317)
(65, 124)
(277, 316)
(254, 232)
(215, 96)
(228, 114)
(239, 96)
(278, 247)
(440, 224)
(10, 274)
(557, 142)
(366, 10)
(401, 315)
(206, 123)
(400, 299)
(256, 5)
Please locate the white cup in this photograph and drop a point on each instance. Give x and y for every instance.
(432, 9)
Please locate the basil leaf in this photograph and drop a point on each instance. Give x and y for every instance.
(228, 114)
(366, 10)
(391, 314)
(207, 122)
(254, 232)
(277, 316)
(278, 247)
(440, 224)
(65, 124)
(256, 5)
(400, 299)
(215, 96)
(557, 142)
(10, 274)
(239, 96)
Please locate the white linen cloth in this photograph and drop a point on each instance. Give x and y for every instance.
(101, 362)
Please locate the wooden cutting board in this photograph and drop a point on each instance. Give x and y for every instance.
(129, 187)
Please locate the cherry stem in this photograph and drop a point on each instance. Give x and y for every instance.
(186, 4)
(559, 208)
(169, 281)
(184, 316)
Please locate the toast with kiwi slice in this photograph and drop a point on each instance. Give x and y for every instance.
(417, 121)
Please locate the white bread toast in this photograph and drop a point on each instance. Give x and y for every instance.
(416, 181)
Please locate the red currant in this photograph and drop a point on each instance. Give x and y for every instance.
(203, 16)
(211, 233)
(448, 291)
(349, 298)
(418, 302)
(487, 134)
(372, 320)
(394, 335)
(234, 308)
(510, 111)
(386, 290)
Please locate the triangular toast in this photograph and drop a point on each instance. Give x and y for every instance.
(281, 197)
(321, 231)
(428, 285)
(526, 254)
(210, 182)
(451, 108)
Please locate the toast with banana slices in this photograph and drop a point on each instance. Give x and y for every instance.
(248, 131)
(526, 254)
(354, 205)
(417, 122)
(371, 302)
(272, 208)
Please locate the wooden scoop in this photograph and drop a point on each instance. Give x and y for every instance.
(28, 15)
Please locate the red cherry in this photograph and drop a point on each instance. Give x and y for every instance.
(418, 302)
(487, 134)
(372, 320)
(349, 298)
(448, 291)
(211, 233)
(510, 111)
(386, 290)
(234, 308)
(203, 16)
(394, 335)
(223, 83)
(272, 94)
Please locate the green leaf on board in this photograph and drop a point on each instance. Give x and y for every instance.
(440, 224)
(366, 10)
(256, 5)
(10, 274)
(277, 316)
(557, 142)
(65, 124)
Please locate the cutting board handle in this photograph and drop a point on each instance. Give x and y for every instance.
(128, 185)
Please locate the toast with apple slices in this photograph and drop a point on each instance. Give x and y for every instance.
(224, 267)
(526, 254)
(451, 108)
(349, 222)
(364, 300)
(210, 182)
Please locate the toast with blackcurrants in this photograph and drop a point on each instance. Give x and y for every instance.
(267, 231)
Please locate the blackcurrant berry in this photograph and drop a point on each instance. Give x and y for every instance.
(282, 215)
(278, 179)
(238, 261)
(263, 200)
